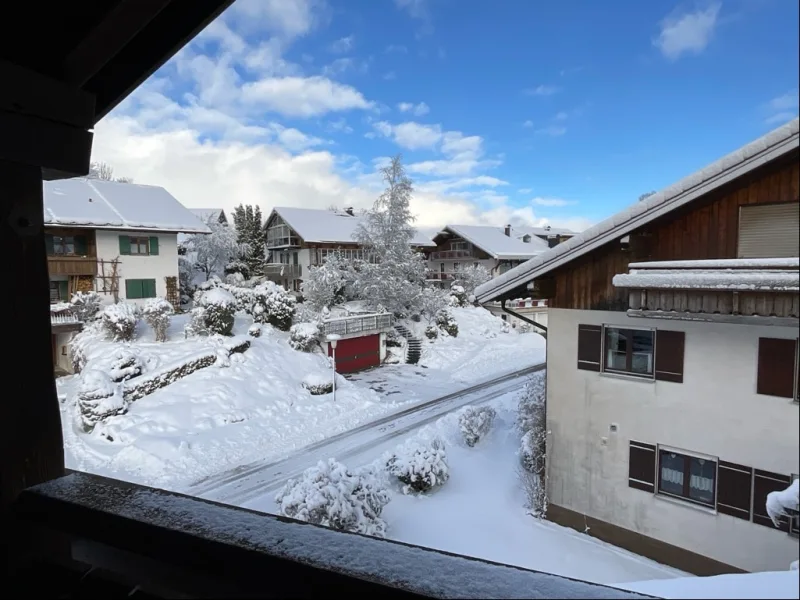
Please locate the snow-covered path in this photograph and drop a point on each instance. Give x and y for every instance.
(245, 483)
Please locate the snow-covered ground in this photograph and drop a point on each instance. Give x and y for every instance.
(256, 408)
(777, 585)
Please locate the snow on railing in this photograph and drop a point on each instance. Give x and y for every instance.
(358, 324)
(64, 318)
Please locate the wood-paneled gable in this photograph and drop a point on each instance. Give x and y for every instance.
(708, 228)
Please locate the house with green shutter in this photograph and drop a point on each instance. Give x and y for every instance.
(119, 239)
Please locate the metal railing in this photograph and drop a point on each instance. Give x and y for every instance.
(450, 254)
(66, 317)
(358, 324)
(283, 270)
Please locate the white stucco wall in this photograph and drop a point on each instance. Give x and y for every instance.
(716, 411)
(139, 267)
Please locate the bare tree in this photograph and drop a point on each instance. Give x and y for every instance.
(103, 170)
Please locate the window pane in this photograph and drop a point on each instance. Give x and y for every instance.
(642, 352)
(616, 349)
(672, 466)
(701, 480)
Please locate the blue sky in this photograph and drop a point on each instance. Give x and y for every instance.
(505, 111)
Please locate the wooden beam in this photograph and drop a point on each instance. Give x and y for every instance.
(105, 41)
(44, 144)
(32, 445)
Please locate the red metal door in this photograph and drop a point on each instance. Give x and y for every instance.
(357, 354)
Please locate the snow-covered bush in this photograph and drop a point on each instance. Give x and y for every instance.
(237, 267)
(119, 321)
(531, 422)
(196, 325)
(393, 339)
(220, 308)
(317, 385)
(157, 313)
(446, 322)
(305, 336)
(431, 301)
(331, 495)
(431, 332)
(235, 279)
(421, 466)
(254, 331)
(269, 303)
(79, 345)
(458, 296)
(524, 327)
(98, 398)
(86, 305)
(124, 365)
(475, 423)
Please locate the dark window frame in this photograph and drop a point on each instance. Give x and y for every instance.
(685, 496)
(136, 242)
(60, 243)
(629, 354)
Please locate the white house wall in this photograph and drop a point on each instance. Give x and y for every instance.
(165, 264)
(716, 411)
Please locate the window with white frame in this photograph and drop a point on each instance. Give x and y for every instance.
(629, 351)
(687, 477)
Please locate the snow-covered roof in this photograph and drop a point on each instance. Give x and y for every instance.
(327, 226)
(103, 204)
(543, 231)
(721, 263)
(777, 143)
(705, 279)
(207, 215)
(497, 244)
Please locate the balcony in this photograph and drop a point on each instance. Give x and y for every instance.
(72, 265)
(283, 271)
(64, 319)
(746, 291)
(360, 325)
(452, 254)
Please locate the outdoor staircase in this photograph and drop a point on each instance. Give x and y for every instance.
(413, 344)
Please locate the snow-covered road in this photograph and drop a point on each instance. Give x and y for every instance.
(247, 482)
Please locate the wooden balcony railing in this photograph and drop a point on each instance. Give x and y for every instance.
(72, 265)
(359, 324)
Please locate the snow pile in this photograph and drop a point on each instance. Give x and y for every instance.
(318, 384)
(782, 501)
(305, 336)
(157, 313)
(475, 423)
(421, 466)
(330, 495)
(119, 321)
(779, 585)
(58, 307)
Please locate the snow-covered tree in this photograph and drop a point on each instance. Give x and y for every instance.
(104, 171)
(472, 276)
(395, 276)
(216, 249)
(432, 301)
(247, 221)
(324, 285)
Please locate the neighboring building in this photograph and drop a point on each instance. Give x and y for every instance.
(207, 216)
(298, 238)
(672, 365)
(496, 248)
(552, 235)
(532, 310)
(119, 239)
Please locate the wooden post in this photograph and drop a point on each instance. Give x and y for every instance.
(30, 419)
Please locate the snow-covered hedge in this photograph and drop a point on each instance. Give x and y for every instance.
(86, 305)
(125, 365)
(446, 322)
(533, 427)
(421, 466)
(431, 332)
(331, 495)
(98, 398)
(475, 423)
(219, 310)
(305, 336)
(318, 385)
(157, 313)
(119, 321)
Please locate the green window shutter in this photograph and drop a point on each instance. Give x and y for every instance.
(81, 248)
(153, 246)
(148, 288)
(133, 289)
(124, 244)
(63, 290)
(48, 243)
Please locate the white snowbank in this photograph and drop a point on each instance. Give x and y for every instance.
(746, 586)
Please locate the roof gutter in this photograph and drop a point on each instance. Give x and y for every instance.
(521, 318)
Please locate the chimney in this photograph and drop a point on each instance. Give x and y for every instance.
(507, 230)
(349, 210)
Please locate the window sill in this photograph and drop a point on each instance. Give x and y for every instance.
(627, 377)
(680, 502)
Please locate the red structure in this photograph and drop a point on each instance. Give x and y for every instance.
(357, 354)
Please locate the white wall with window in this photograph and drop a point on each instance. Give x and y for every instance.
(145, 260)
(671, 428)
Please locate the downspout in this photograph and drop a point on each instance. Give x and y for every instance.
(521, 318)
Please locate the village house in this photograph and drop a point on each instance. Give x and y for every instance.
(672, 365)
(299, 238)
(118, 239)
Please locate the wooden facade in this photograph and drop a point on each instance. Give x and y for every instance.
(705, 229)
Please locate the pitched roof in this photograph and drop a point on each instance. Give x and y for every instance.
(326, 226)
(546, 230)
(82, 202)
(497, 244)
(207, 214)
(775, 144)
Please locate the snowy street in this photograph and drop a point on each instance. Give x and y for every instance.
(243, 484)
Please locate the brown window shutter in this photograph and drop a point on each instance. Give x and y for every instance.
(669, 355)
(734, 487)
(642, 466)
(765, 482)
(589, 347)
(776, 362)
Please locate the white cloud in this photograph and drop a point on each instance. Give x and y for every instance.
(343, 45)
(782, 108)
(528, 123)
(552, 130)
(398, 48)
(542, 90)
(410, 135)
(552, 202)
(288, 18)
(688, 32)
(303, 96)
(416, 109)
(561, 116)
(345, 64)
(390, 75)
(340, 125)
(524, 190)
